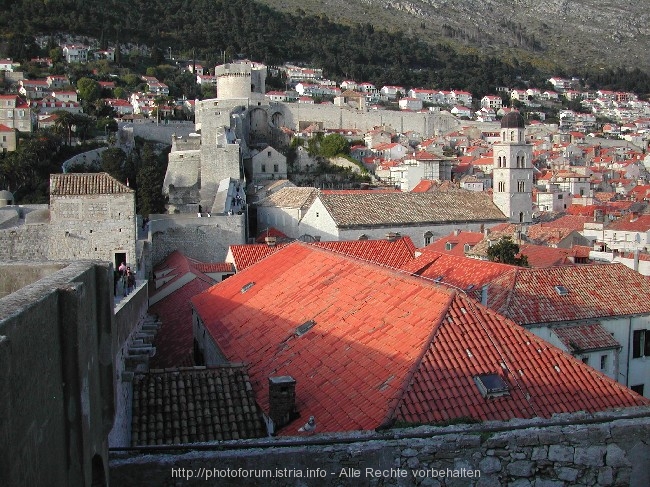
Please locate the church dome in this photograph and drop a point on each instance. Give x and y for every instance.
(513, 120)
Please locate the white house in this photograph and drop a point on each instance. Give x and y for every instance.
(268, 163)
(373, 215)
(75, 53)
(409, 103)
(285, 209)
(390, 92)
(492, 101)
(461, 111)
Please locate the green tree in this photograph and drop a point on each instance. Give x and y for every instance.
(505, 251)
(89, 90)
(120, 93)
(113, 163)
(333, 145)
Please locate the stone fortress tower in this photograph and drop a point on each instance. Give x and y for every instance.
(241, 122)
(512, 172)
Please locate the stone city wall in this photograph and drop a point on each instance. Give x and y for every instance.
(160, 132)
(580, 450)
(25, 242)
(205, 239)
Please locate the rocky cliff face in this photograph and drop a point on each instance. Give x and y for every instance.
(573, 33)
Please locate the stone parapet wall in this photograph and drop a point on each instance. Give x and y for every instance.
(205, 239)
(25, 242)
(577, 450)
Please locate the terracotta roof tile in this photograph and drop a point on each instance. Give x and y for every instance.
(582, 338)
(77, 184)
(594, 291)
(191, 405)
(386, 346)
(384, 252)
(457, 241)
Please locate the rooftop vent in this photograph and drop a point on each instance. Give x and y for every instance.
(561, 290)
(246, 287)
(438, 279)
(305, 327)
(491, 385)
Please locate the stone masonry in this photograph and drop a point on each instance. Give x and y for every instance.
(606, 449)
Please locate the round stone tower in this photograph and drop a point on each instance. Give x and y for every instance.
(240, 79)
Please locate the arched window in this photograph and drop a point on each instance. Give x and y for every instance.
(427, 238)
(502, 186)
(512, 136)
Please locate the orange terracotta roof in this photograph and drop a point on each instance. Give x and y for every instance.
(581, 338)
(631, 223)
(383, 252)
(544, 256)
(269, 232)
(381, 346)
(569, 222)
(542, 380)
(457, 271)
(457, 241)
(528, 295)
(246, 255)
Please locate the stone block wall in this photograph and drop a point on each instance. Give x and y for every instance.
(56, 383)
(25, 242)
(610, 449)
(205, 239)
(93, 227)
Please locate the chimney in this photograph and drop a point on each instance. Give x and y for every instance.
(282, 400)
(391, 236)
(636, 260)
(270, 241)
(456, 232)
(484, 295)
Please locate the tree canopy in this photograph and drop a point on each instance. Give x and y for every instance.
(505, 251)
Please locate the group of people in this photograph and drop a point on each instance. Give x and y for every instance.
(126, 277)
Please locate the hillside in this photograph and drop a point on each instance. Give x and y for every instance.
(576, 33)
(462, 44)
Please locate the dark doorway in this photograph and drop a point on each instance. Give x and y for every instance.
(119, 258)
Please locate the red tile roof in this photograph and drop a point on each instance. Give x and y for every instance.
(383, 252)
(244, 256)
(173, 341)
(385, 346)
(456, 271)
(458, 242)
(572, 222)
(269, 232)
(594, 291)
(543, 256)
(206, 268)
(631, 223)
(582, 338)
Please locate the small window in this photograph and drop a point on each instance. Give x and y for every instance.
(638, 389)
(276, 168)
(467, 247)
(585, 359)
(603, 362)
(561, 290)
(449, 246)
(491, 385)
(427, 238)
(263, 167)
(305, 327)
(641, 343)
(268, 153)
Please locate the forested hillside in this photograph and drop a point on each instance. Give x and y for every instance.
(213, 30)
